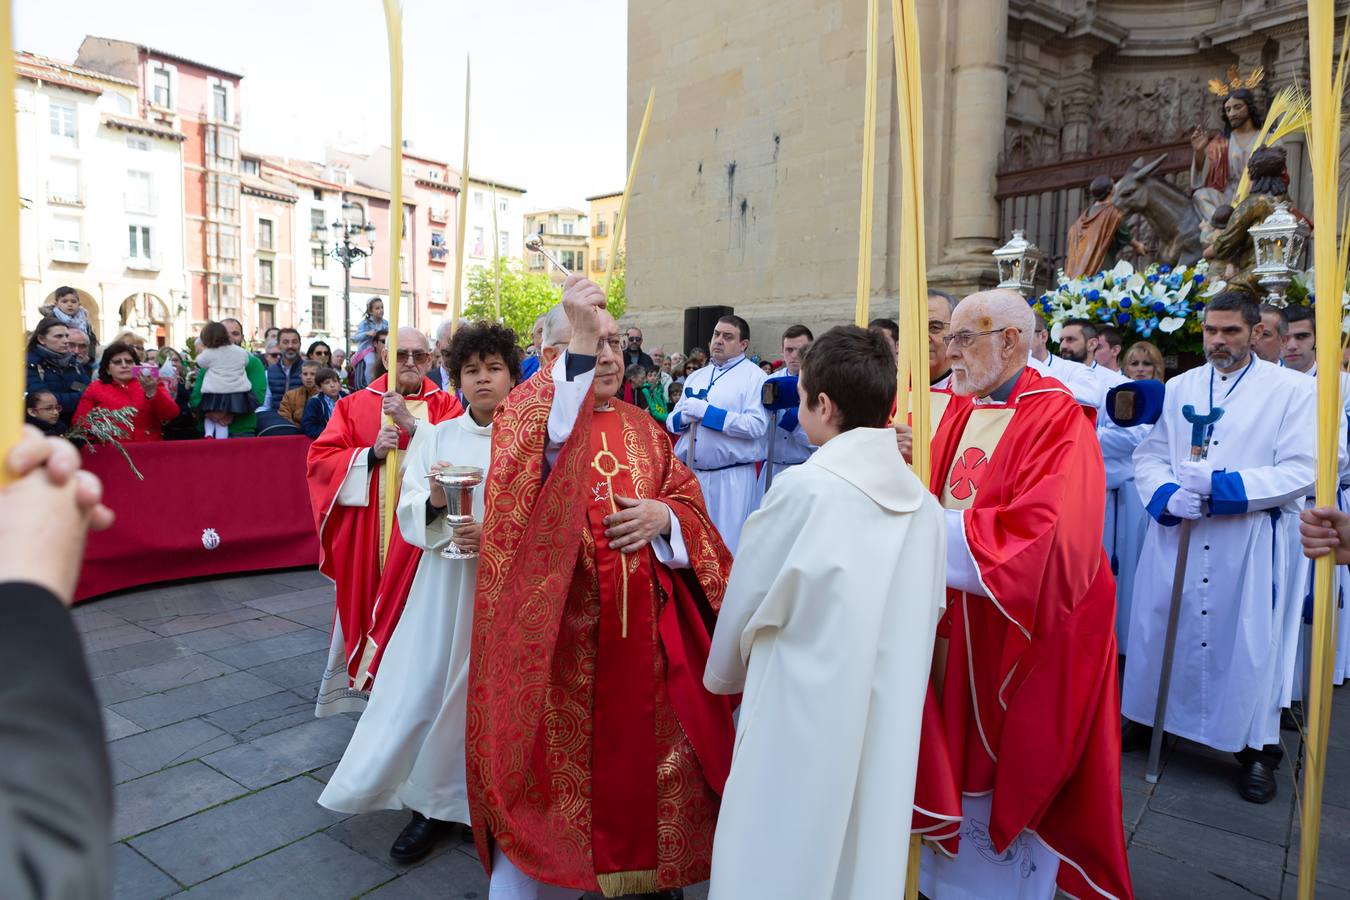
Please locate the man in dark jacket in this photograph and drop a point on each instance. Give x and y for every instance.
(284, 374)
(632, 352)
(55, 786)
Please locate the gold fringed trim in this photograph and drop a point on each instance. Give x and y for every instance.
(617, 884)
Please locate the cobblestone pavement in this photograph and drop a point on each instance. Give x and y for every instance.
(208, 694)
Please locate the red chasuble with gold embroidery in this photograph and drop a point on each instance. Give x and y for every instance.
(351, 539)
(596, 757)
(1030, 702)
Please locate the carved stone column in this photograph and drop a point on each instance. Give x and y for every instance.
(979, 85)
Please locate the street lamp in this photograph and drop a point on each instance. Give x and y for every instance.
(350, 228)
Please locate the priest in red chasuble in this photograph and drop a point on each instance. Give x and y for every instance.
(1028, 694)
(596, 756)
(347, 485)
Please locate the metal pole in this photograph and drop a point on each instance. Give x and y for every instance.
(347, 296)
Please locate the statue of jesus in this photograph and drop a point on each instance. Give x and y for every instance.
(1219, 159)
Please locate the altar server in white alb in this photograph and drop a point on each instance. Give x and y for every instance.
(1126, 521)
(1299, 354)
(1226, 675)
(408, 749)
(723, 403)
(827, 630)
(791, 446)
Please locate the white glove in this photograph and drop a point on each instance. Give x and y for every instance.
(1184, 504)
(1196, 477)
(694, 408)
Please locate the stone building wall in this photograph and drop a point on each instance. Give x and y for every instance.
(748, 192)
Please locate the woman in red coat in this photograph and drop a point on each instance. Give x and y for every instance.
(120, 386)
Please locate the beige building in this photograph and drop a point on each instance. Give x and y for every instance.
(748, 190)
(564, 235)
(604, 218)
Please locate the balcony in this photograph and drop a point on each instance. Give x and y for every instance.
(597, 265)
(69, 252)
(601, 230)
(149, 263)
(438, 214)
(319, 278)
(438, 254)
(62, 197)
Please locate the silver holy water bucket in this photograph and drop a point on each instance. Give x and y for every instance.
(458, 483)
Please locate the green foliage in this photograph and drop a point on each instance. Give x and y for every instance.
(105, 427)
(525, 296)
(617, 299)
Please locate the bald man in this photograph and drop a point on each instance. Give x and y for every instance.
(1027, 680)
(347, 487)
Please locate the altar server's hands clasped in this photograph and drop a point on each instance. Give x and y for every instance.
(636, 524)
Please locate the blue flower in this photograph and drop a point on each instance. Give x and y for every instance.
(1159, 307)
(1123, 318)
(1198, 278)
(1164, 268)
(1124, 302)
(1094, 295)
(1152, 279)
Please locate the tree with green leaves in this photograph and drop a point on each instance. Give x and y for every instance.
(617, 299)
(525, 296)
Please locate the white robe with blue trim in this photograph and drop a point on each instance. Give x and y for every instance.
(1226, 676)
(731, 439)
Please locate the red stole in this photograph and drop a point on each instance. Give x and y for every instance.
(624, 757)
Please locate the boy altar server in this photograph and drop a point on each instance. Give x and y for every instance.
(827, 628)
(408, 749)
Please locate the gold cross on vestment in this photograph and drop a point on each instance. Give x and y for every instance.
(608, 465)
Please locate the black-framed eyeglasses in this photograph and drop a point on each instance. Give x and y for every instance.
(964, 339)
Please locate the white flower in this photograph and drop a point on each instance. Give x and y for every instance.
(1055, 331)
(1170, 324)
(1135, 282)
(1122, 271)
(1185, 290)
(1217, 286)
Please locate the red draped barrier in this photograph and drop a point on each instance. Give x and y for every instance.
(206, 507)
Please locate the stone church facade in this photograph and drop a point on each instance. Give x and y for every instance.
(748, 189)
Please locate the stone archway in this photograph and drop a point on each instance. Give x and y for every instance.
(148, 316)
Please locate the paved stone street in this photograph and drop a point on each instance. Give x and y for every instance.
(208, 694)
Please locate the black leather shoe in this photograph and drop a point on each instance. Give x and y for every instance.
(1256, 784)
(417, 838)
(1134, 737)
(675, 894)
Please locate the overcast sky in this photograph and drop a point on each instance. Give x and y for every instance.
(549, 83)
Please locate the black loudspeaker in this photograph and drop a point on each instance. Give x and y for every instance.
(699, 322)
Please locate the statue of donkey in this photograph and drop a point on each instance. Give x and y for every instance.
(1167, 208)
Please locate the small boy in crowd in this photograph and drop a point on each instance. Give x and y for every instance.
(319, 408)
